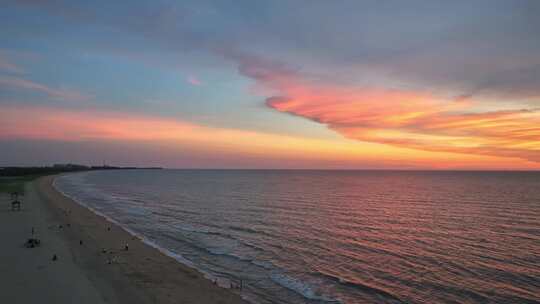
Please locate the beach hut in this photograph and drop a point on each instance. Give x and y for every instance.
(14, 195)
(16, 206)
(15, 203)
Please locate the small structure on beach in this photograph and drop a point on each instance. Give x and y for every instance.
(14, 195)
(15, 203)
(16, 206)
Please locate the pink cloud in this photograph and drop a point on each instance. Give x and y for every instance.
(400, 118)
(194, 80)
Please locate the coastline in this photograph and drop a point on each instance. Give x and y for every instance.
(141, 274)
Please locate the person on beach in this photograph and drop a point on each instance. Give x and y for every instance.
(111, 260)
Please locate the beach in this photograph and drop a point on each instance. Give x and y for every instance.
(288, 237)
(92, 264)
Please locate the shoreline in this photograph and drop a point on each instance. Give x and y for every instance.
(141, 274)
(131, 232)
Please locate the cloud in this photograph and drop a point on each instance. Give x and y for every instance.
(401, 118)
(194, 80)
(16, 83)
(488, 48)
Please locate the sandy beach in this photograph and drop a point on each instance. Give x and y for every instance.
(92, 265)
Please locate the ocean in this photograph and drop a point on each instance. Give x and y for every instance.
(307, 236)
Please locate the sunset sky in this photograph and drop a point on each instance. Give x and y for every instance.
(271, 84)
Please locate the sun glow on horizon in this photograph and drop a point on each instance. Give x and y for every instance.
(96, 126)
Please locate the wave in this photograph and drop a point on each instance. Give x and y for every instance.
(264, 264)
(221, 251)
(362, 287)
(249, 230)
(302, 288)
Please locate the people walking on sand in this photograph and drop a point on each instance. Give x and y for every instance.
(111, 260)
(32, 243)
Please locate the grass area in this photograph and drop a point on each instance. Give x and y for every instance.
(10, 184)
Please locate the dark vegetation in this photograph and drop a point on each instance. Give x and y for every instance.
(9, 184)
(12, 179)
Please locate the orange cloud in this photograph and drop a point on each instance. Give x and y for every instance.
(401, 118)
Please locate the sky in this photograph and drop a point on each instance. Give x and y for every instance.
(271, 84)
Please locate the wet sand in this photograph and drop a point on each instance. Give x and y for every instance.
(84, 273)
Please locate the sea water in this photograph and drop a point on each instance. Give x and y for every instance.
(301, 236)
